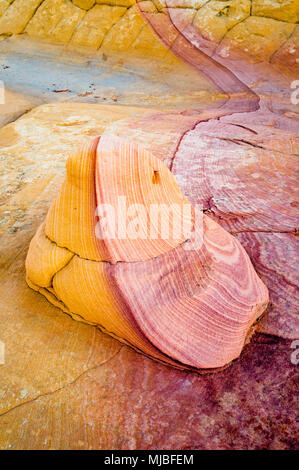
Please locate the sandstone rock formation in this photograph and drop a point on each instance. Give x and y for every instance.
(65, 384)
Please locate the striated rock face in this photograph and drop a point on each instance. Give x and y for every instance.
(274, 257)
(233, 173)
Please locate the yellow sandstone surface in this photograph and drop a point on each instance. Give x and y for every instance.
(124, 32)
(147, 43)
(56, 20)
(84, 4)
(16, 17)
(260, 27)
(4, 4)
(119, 3)
(66, 384)
(51, 258)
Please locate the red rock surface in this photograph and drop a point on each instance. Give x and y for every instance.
(189, 297)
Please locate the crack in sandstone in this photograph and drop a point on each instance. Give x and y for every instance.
(46, 394)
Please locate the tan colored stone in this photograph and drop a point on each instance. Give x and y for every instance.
(147, 43)
(16, 17)
(96, 24)
(84, 4)
(34, 149)
(125, 32)
(54, 350)
(66, 26)
(216, 18)
(284, 10)
(55, 20)
(123, 400)
(260, 37)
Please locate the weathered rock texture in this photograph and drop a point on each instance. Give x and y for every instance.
(42, 389)
(259, 28)
(67, 385)
(174, 301)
